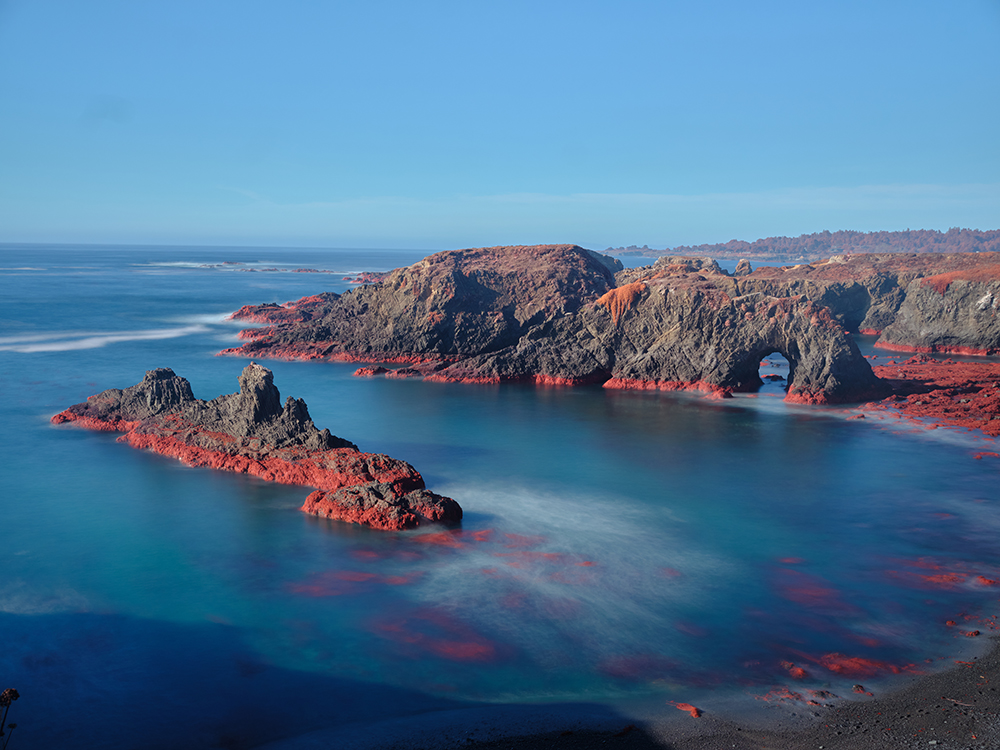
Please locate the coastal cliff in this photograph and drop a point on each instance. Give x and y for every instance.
(562, 315)
(559, 314)
(252, 432)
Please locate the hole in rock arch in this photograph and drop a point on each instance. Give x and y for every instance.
(773, 370)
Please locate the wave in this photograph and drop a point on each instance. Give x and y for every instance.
(73, 341)
(207, 319)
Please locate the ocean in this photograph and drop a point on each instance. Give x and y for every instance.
(620, 552)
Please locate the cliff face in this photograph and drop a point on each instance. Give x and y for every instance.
(955, 313)
(559, 314)
(252, 432)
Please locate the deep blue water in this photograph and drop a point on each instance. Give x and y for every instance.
(624, 549)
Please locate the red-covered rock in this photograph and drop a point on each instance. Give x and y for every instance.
(252, 432)
(960, 394)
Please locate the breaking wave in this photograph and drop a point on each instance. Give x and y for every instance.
(73, 341)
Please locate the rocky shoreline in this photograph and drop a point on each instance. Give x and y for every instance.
(251, 432)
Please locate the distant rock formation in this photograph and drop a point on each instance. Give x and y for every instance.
(819, 245)
(559, 314)
(252, 432)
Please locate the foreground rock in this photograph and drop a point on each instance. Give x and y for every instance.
(252, 432)
(558, 314)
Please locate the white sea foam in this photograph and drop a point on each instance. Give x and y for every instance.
(73, 341)
(607, 573)
(207, 319)
(173, 264)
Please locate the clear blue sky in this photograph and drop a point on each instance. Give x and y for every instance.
(455, 124)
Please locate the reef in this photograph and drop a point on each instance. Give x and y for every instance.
(252, 432)
(563, 315)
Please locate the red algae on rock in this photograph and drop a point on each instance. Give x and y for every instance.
(251, 432)
(958, 394)
(633, 384)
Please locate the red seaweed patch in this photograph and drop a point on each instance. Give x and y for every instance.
(436, 632)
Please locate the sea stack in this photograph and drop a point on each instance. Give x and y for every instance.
(252, 432)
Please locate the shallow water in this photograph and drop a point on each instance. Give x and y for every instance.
(626, 549)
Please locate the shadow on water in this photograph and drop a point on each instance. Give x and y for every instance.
(111, 681)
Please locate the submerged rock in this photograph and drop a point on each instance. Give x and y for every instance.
(252, 432)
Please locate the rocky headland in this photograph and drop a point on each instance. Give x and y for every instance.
(252, 432)
(563, 315)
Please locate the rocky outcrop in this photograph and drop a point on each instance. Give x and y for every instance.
(447, 307)
(253, 432)
(564, 315)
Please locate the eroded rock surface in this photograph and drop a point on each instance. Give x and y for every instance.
(252, 432)
(564, 315)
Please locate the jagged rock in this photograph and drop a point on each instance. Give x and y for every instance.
(252, 432)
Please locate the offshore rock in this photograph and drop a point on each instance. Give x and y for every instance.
(562, 315)
(252, 432)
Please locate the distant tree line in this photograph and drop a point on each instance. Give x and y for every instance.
(824, 244)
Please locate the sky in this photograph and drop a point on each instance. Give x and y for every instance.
(439, 125)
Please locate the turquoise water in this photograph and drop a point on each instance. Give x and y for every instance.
(624, 549)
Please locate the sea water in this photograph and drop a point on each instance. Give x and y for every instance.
(619, 550)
